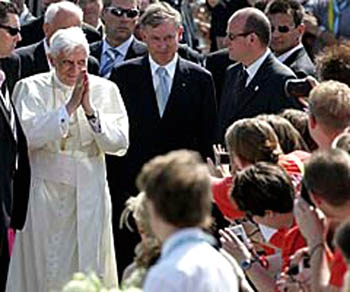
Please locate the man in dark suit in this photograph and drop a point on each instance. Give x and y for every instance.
(120, 17)
(286, 18)
(59, 15)
(33, 32)
(14, 162)
(170, 103)
(255, 85)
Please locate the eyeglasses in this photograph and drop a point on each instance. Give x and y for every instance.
(281, 28)
(130, 13)
(13, 31)
(232, 36)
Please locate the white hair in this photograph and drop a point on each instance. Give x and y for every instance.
(54, 8)
(67, 40)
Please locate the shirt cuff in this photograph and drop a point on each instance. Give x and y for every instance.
(63, 117)
(95, 122)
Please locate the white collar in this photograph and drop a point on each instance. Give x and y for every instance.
(287, 54)
(170, 67)
(59, 83)
(122, 48)
(253, 68)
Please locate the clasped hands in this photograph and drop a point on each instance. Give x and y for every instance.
(80, 95)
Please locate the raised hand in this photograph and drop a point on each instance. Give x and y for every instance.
(77, 95)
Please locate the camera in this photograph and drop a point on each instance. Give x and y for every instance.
(297, 87)
(224, 158)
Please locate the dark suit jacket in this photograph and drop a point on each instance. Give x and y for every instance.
(301, 63)
(34, 61)
(14, 182)
(217, 63)
(264, 94)
(138, 49)
(32, 32)
(189, 118)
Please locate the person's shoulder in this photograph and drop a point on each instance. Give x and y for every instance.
(190, 54)
(222, 53)
(132, 64)
(274, 67)
(39, 79)
(97, 81)
(95, 45)
(27, 50)
(32, 23)
(234, 68)
(193, 67)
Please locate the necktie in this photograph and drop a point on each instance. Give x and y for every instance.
(243, 77)
(112, 54)
(162, 90)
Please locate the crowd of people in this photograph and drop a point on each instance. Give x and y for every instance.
(234, 164)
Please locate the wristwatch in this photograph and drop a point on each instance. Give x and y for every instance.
(248, 263)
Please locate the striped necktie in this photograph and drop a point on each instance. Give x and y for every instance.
(112, 54)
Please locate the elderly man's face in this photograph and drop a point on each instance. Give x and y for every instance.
(119, 28)
(285, 34)
(8, 38)
(163, 41)
(68, 66)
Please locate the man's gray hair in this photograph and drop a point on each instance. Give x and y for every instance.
(158, 13)
(54, 8)
(67, 40)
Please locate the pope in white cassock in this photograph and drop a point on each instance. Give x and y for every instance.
(71, 120)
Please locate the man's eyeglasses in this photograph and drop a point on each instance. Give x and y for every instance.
(130, 13)
(13, 31)
(281, 28)
(232, 36)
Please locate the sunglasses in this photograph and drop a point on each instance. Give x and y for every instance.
(130, 13)
(13, 31)
(232, 36)
(281, 28)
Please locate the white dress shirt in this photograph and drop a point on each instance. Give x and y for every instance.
(253, 68)
(122, 50)
(170, 68)
(286, 55)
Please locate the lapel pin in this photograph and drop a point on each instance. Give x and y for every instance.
(256, 88)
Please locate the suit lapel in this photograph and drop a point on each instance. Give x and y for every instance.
(178, 87)
(136, 49)
(149, 101)
(250, 92)
(297, 54)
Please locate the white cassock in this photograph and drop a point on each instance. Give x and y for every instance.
(68, 226)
